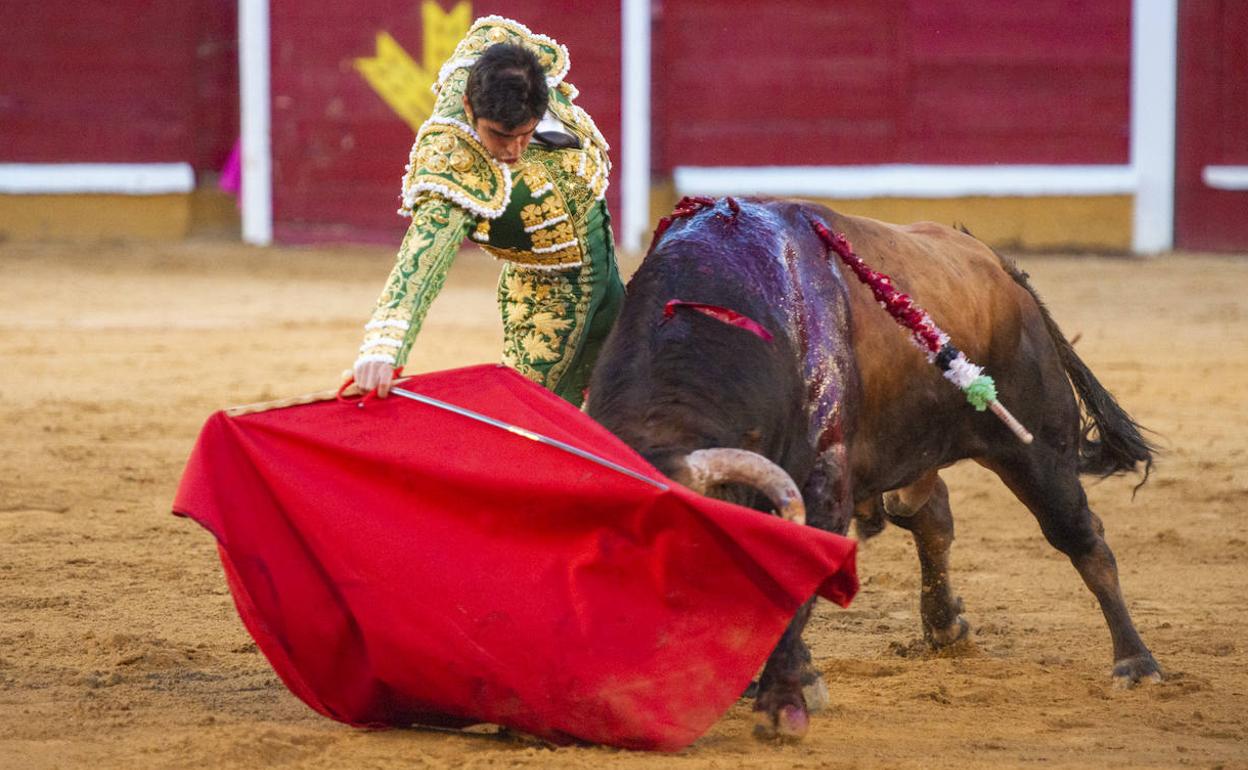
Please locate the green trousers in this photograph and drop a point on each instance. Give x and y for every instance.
(555, 321)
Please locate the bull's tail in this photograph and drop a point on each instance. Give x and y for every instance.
(1111, 441)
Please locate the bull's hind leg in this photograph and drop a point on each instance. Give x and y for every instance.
(1047, 483)
(923, 509)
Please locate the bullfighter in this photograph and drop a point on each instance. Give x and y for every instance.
(509, 160)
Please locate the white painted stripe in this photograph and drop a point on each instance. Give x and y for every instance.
(111, 178)
(906, 181)
(635, 109)
(253, 55)
(1154, 46)
(1225, 177)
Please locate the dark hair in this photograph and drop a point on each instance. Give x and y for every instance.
(507, 85)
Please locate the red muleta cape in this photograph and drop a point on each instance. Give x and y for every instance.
(403, 564)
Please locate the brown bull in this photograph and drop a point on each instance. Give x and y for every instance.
(742, 331)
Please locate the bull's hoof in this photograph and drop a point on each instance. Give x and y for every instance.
(1139, 669)
(789, 723)
(939, 638)
(816, 694)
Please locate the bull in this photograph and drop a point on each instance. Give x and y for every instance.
(744, 345)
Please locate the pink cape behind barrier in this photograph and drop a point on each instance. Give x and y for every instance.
(402, 564)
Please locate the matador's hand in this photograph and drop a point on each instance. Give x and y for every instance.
(374, 374)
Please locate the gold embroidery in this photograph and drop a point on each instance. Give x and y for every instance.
(543, 58)
(538, 348)
(514, 313)
(447, 159)
(562, 232)
(548, 325)
(461, 160)
(443, 143)
(517, 288)
(450, 103)
(537, 306)
(419, 273)
(569, 202)
(531, 215)
(543, 239)
(535, 214)
(552, 207)
(436, 163)
(580, 311)
(569, 257)
(385, 314)
(545, 320)
(534, 175)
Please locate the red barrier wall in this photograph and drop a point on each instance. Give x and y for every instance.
(339, 149)
(126, 81)
(1212, 123)
(809, 82)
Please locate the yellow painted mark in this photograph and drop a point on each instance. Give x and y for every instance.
(398, 79)
(92, 217)
(442, 31)
(1047, 223)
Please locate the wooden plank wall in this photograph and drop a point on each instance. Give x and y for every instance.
(735, 83)
(127, 81)
(808, 82)
(1212, 123)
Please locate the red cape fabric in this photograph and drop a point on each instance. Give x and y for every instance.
(402, 564)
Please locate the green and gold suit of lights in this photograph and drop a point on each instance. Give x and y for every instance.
(545, 217)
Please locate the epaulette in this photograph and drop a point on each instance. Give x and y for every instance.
(448, 159)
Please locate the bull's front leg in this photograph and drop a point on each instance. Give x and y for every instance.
(790, 687)
(781, 708)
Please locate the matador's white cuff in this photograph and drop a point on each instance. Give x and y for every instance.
(384, 358)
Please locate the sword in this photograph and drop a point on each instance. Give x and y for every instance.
(526, 433)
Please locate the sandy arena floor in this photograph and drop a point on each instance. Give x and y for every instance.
(120, 646)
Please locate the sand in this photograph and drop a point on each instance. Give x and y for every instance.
(120, 646)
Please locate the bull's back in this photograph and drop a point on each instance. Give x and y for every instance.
(962, 285)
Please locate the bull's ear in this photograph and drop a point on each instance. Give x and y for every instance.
(752, 440)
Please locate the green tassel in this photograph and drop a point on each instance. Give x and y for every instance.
(981, 392)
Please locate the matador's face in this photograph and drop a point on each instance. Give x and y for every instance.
(505, 144)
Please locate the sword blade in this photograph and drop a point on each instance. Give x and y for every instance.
(526, 433)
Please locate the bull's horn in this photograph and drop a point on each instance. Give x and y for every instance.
(708, 467)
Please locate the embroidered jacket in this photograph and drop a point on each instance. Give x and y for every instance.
(533, 214)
